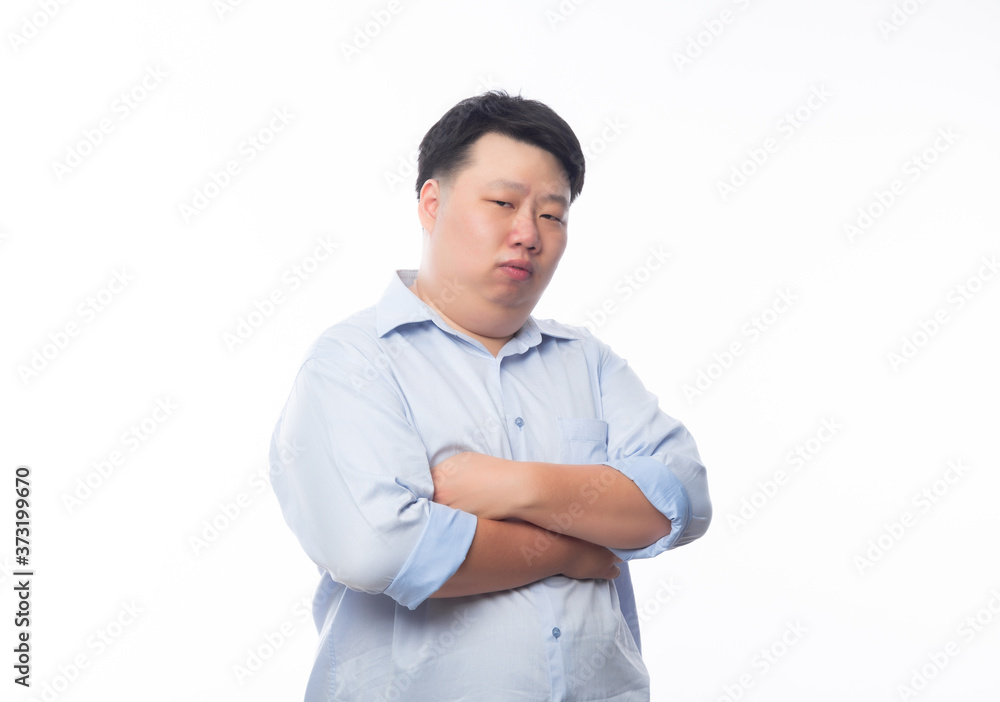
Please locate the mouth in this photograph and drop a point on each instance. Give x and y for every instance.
(518, 269)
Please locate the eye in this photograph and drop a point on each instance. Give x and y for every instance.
(500, 202)
(552, 217)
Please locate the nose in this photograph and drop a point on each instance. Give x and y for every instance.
(524, 231)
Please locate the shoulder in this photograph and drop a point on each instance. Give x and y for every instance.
(574, 341)
(559, 330)
(349, 355)
(578, 335)
(352, 338)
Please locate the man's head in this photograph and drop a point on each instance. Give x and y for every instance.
(496, 178)
(444, 150)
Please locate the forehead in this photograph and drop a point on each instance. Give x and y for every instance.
(497, 158)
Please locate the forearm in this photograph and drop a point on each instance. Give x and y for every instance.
(595, 503)
(505, 555)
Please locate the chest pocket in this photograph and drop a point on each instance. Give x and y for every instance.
(583, 441)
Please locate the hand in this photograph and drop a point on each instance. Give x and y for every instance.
(485, 486)
(588, 561)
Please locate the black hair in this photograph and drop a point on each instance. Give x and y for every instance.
(444, 150)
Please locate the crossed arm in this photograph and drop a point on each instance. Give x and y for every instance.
(565, 518)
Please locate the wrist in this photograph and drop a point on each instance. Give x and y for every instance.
(568, 554)
(555, 552)
(522, 488)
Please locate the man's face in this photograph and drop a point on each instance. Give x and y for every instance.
(497, 230)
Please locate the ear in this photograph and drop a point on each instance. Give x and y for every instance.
(430, 201)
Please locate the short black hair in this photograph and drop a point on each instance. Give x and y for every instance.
(444, 150)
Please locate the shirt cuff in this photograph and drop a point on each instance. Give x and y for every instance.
(664, 491)
(441, 549)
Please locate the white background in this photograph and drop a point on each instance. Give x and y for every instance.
(876, 580)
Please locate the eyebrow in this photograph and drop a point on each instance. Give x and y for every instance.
(521, 188)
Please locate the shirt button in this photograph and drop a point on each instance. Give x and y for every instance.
(556, 632)
(519, 422)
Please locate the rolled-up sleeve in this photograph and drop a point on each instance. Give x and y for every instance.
(656, 452)
(352, 478)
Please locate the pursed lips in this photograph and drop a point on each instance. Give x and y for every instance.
(519, 263)
(517, 269)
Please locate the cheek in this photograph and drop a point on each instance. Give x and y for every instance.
(473, 239)
(557, 247)
(463, 250)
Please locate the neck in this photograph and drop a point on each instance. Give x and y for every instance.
(493, 343)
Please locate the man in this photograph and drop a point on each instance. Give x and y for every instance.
(471, 480)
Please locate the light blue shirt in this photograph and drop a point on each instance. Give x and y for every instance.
(393, 390)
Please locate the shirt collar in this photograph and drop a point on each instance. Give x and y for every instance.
(399, 305)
